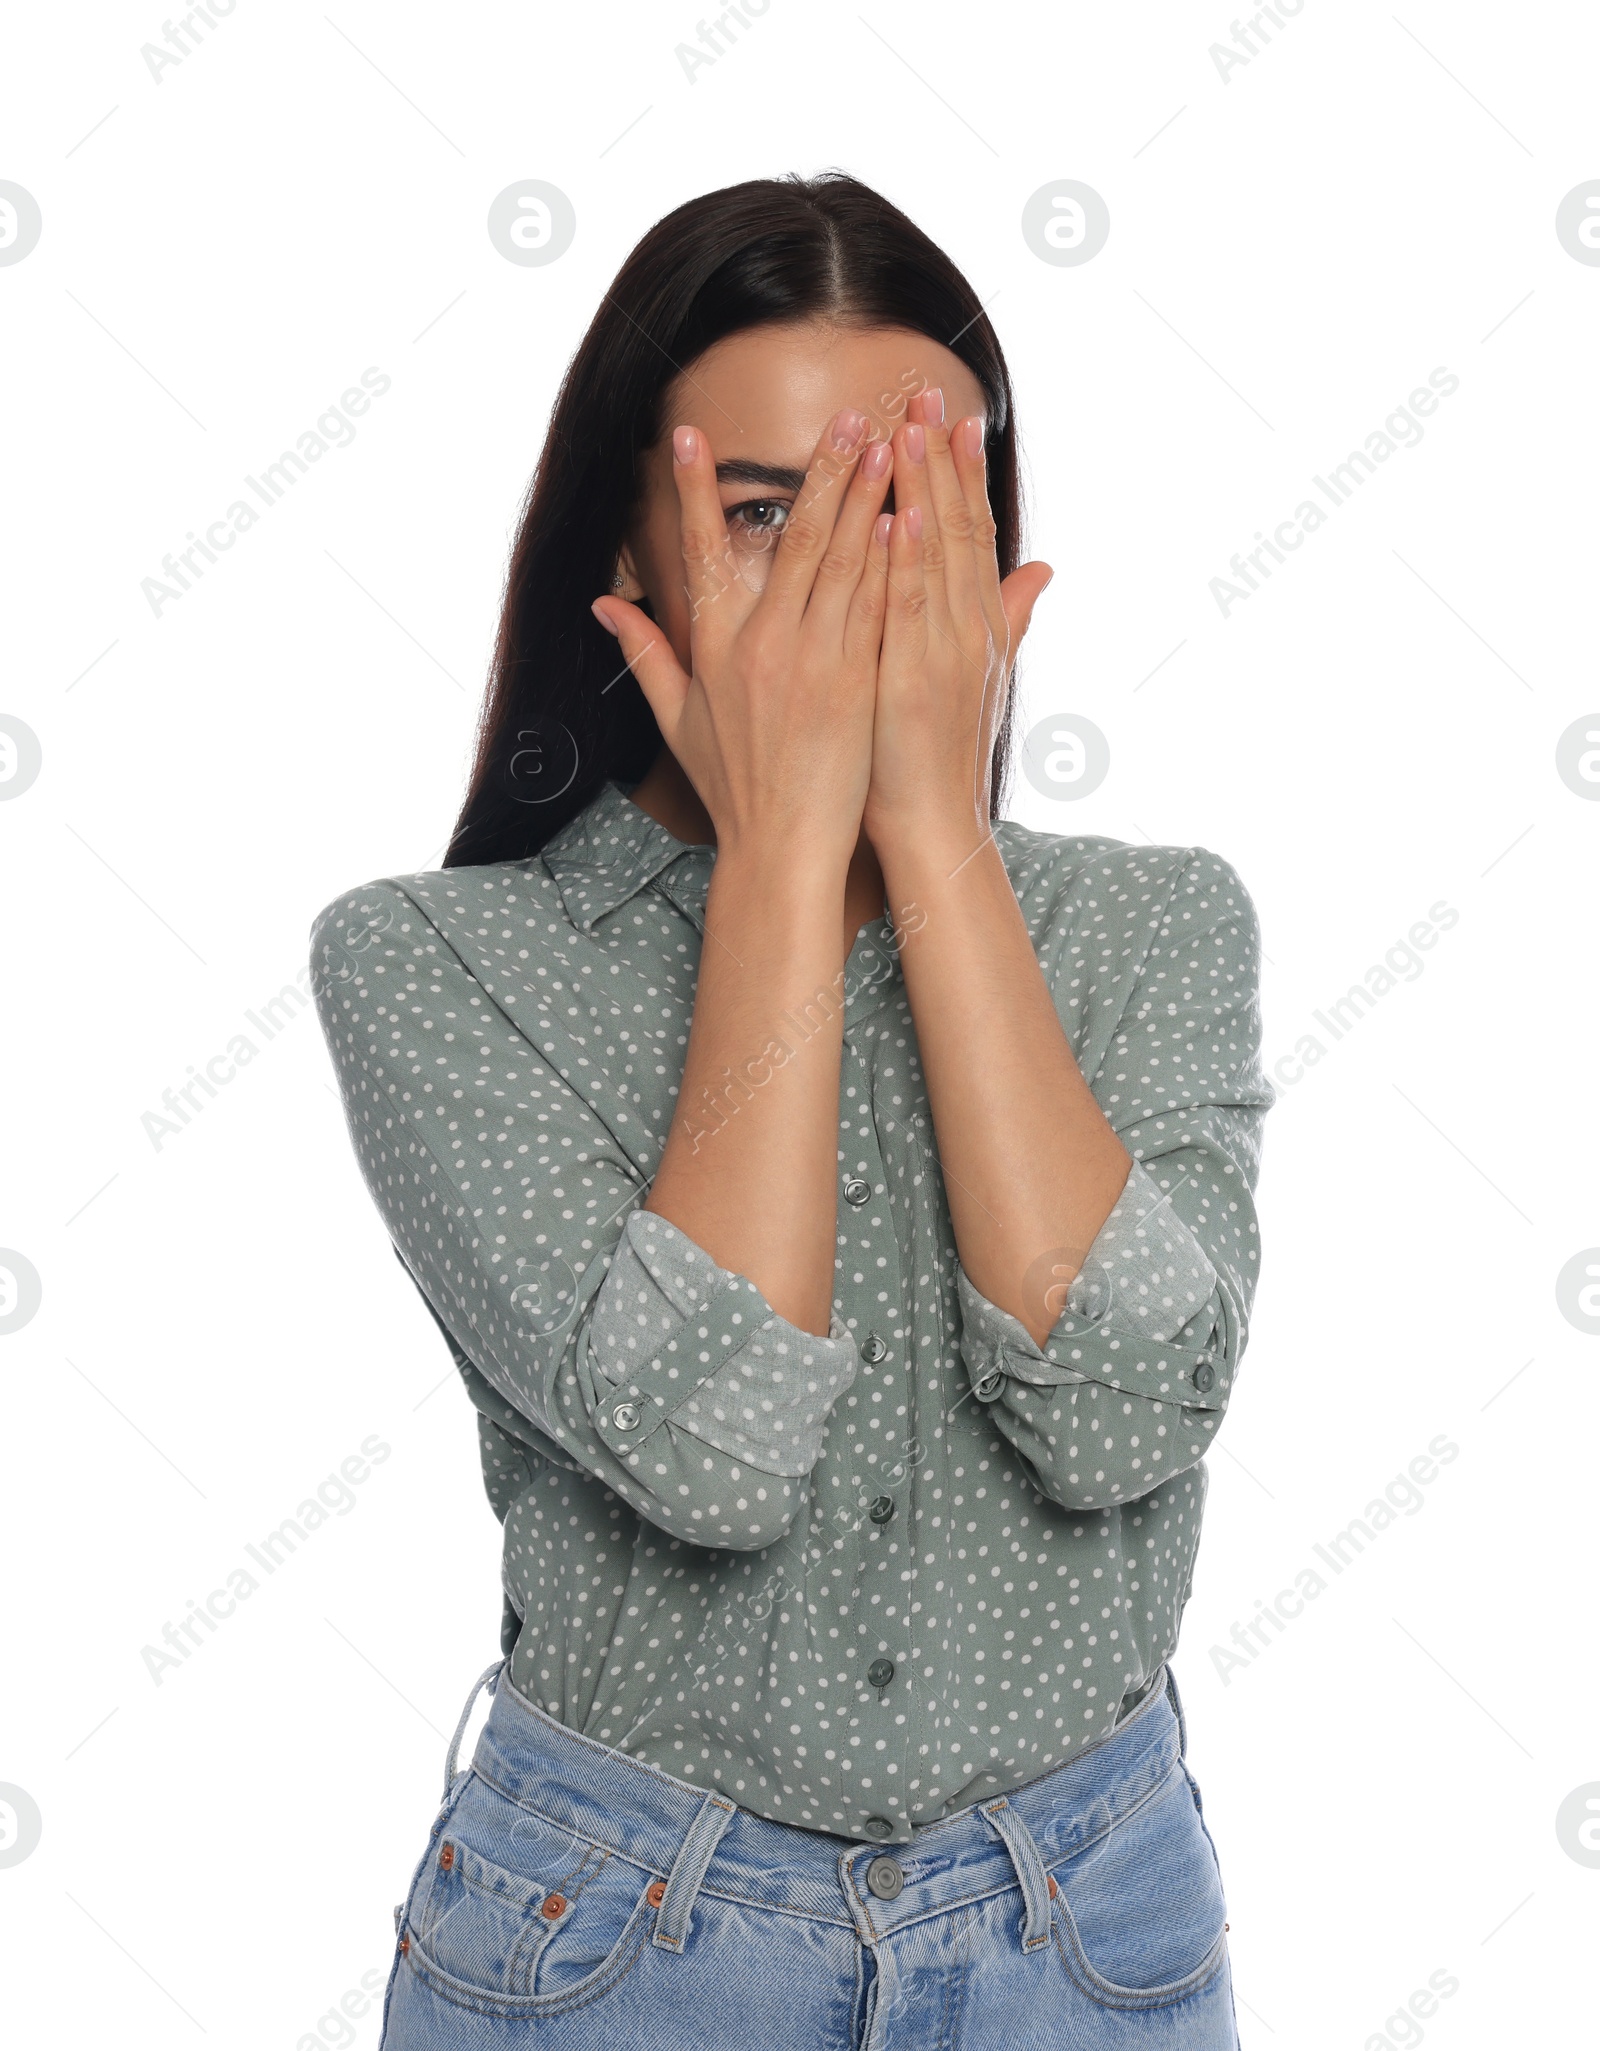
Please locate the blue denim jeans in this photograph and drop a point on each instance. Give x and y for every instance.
(574, 1898)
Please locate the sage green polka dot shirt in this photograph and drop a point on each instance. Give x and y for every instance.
(858, 1582)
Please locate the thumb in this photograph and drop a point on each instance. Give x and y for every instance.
(1019, 594)
(648, 653)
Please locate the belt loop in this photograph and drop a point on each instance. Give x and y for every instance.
(689, 1869)
(489, 1674)
(1177, 1709)
(1018, 1841)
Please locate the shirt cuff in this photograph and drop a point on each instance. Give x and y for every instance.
(674, 1334)
(1146, 1270)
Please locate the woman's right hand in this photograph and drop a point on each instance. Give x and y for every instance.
(773, 721)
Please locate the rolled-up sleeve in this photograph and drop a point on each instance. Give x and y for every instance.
(1133, 1379)
(518, 1213)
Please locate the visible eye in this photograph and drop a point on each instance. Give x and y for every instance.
(757, 523)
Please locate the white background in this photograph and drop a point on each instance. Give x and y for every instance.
(1292, 251)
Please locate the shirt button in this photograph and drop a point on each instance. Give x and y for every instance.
(874, 1350)
(856, 1191)
(989, 1386)
(1203, 1376)
(885, 1878)
(881, 1509)
(877, 1826)
(881, 1672)
(625, 1416)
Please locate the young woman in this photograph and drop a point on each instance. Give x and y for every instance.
(837, 1200)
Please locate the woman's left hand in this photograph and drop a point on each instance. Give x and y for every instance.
(952, 627)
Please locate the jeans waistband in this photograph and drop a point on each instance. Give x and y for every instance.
(647, 1817)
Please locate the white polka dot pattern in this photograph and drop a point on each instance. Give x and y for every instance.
(716, 1524)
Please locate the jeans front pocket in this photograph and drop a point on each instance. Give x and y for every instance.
(1140, 1913)
(518, 1916)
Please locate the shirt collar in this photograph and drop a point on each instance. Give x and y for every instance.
(612, 849)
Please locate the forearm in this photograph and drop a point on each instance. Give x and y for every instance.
(749, 1170)
(1030, 1163)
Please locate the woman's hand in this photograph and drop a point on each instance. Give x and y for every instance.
(951, 633)
(773, 722)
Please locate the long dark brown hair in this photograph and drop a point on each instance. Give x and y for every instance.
(559, 718)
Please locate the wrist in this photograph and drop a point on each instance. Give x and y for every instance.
(808, 871)
(927, 846)
(795, 836)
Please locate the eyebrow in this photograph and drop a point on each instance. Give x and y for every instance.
(774, 476)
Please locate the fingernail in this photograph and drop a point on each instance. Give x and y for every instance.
(595, 608)
(972, 436)
(914, 523)
(916, 443)
(933, 406)
(875, 462)
(848, 427)
(684, 444)
(880, 529)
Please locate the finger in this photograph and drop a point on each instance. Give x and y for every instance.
(953, 515)
(808, 531)
(863, 629)
(905, 615)
(844, 560)
(702, 529)
(912, 488)
(1019, 594)
(968, 454)
(643, 648)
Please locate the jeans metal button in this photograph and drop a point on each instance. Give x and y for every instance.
(625, 1416)
(885, 1878)
(881, 1509)
(874, 1350)
(881, 1672)
(856, 1191)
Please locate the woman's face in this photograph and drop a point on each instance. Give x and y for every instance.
(762, 400)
